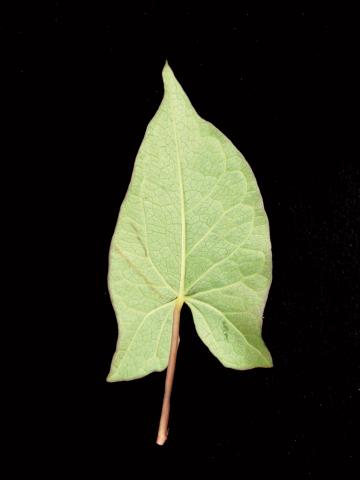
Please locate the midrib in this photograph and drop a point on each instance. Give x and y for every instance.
(182, 208)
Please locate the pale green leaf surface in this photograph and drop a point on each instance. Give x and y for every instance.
(191, 227)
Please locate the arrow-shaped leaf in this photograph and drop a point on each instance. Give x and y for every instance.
(192, 228)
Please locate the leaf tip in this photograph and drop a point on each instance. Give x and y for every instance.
(167, 73)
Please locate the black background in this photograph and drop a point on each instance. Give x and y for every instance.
(277, 82)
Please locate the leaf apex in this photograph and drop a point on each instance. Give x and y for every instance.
(167, 74)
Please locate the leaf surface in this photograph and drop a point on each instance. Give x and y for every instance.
(192, 228)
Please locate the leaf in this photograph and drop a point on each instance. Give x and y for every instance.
(192, 228)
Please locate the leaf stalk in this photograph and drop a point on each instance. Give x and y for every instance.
(170, 372)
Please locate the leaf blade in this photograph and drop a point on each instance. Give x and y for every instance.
(192, 227)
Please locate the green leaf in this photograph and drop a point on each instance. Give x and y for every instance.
(192, 228)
